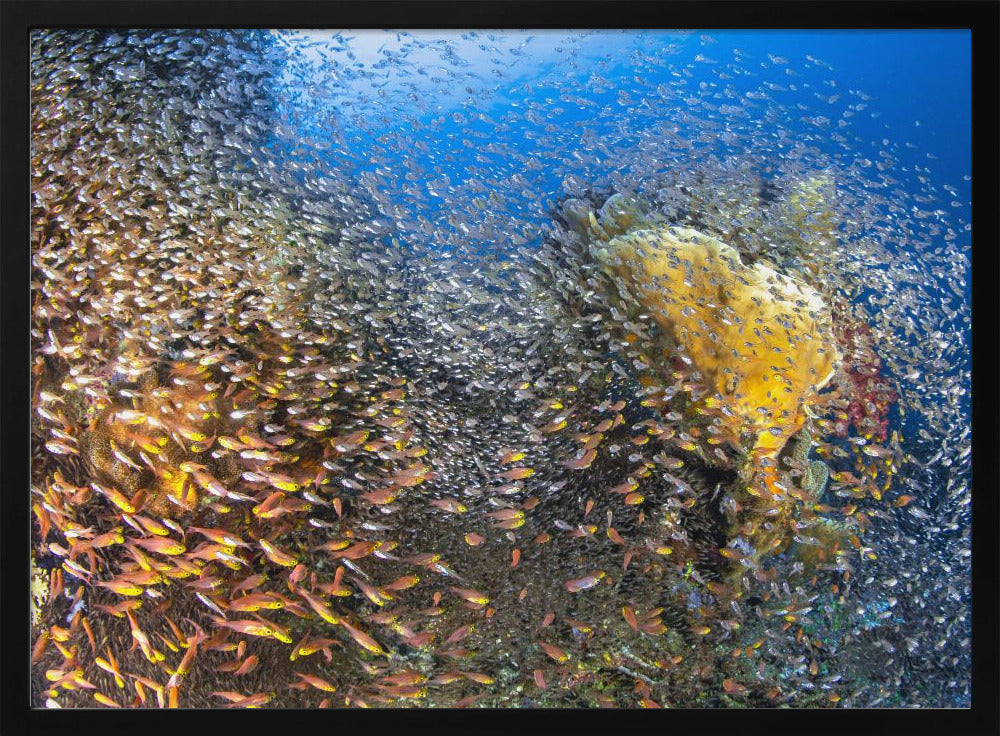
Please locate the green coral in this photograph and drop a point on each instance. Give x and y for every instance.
(800, 446)
(828, 544)
(814, 480)
(810, 205)
(805, 225)
(39, 591)
(816, 471)
(619, 214)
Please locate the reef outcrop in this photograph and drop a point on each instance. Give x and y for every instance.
(762, 341)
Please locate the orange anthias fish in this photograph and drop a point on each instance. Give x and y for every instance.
(366, 641)
(517, 473)
(557, 653)
(583, 462)
(450, 505)
(587, 581)
(472, 596)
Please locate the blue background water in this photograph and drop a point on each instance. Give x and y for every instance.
(918, 81)
(907, 94)
(912, 76)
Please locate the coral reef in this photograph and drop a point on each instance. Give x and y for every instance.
(872, 394)
(753, 348)
(761, 341)
(294, 446)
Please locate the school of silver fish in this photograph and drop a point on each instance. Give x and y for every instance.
(320, 428)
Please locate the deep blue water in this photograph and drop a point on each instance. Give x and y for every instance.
(917, 85)
(897, 96)
(913, 77)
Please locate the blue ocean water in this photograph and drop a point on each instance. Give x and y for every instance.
(920, 82)
(916, 85)
(548, 113)
(901, 98)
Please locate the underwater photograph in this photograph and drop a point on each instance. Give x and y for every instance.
(500, 369)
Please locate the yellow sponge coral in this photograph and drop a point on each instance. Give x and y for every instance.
(760, 339)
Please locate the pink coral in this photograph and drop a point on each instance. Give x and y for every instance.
(872, 396)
